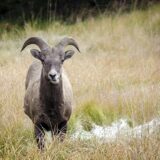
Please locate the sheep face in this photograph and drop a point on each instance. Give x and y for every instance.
(52, 68)
(52, 61)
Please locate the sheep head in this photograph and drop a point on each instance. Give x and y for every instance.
(52, 58)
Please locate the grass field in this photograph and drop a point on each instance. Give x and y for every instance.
(116, 75)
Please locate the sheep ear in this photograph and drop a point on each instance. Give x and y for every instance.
(37, 54)
(68, 54)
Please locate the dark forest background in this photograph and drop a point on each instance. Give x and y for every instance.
(20, 11)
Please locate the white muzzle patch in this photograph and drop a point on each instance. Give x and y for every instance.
(53, 77)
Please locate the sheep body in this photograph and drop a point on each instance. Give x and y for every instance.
(32, 105)
(48, 98)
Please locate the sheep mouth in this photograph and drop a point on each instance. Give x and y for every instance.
(54, 81)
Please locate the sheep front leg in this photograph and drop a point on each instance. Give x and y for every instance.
(39, 135)
(62, 129)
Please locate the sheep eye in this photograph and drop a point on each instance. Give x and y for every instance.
(62, 60)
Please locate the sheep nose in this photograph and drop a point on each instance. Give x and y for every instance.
(52, 76)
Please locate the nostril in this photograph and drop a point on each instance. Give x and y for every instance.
(52, 76)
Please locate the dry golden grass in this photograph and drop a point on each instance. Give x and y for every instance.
(117, 70)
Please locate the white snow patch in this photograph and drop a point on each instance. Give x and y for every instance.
(117, 129)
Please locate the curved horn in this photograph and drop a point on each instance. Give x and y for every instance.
(35, 40)
(68, 41)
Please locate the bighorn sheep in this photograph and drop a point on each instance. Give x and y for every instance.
(48, 97)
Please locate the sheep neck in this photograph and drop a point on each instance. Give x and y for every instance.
(51, 97)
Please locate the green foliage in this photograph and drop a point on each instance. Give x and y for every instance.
(72, 123)
(91, 113)
(15, 135)
(130, 123)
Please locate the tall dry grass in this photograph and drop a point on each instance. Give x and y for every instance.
(117, 72)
